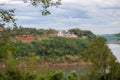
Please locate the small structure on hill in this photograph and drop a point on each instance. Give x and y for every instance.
(66, 34)
(24, 38)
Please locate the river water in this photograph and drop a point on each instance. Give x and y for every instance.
(115, 48)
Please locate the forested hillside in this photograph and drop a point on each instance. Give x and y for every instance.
(21, 31)
(48, 44)
(19, 57)
(118, 34)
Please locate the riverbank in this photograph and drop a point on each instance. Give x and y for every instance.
(47, 64)
(65, 64)
(114, 42)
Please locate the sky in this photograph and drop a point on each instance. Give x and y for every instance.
(99, 16)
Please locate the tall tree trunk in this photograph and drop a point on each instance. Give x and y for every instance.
(104, 74)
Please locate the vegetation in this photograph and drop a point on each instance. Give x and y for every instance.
(102, 60)
(102, 64)
(100, 57)
(47, 44)
(118, 34)
(50, 48)
(6, 48)
(50, 75)
(82, 33)
(21, 31)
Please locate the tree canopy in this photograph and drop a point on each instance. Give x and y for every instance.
(81, 33)
(118, 34)
(100, 57)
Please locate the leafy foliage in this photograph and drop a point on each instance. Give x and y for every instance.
(117, 34)
(6, 48)
(16, 74)
(45, 5)
(51, 46)
(73, 76)
(20, 31)
(100, 57)
(81, 33)
(7, 15)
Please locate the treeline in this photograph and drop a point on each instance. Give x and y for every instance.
(47, 45)
(19, 31)
(118, 34)
(82, 33)
(16, 74)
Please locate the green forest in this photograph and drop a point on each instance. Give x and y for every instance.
(43, 54)
(47, 47)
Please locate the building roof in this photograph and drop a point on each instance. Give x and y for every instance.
(27, 38)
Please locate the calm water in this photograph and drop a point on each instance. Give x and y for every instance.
(115, 49)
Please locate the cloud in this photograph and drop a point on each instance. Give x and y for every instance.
(24, 17)
(93, 3)
(15, 2)
(12, 1)
(116, 23)
(4, 1)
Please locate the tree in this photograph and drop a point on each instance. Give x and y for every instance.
(118, 34)
(6, 48)
(6, 16)
(45, 4)
(57, 76)
(114, 73)
(81, 33)
(100, 57)
(76, 31)
(73, 76)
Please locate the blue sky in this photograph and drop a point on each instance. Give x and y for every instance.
(99, 16)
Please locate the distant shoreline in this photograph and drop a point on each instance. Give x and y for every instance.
(114, 42)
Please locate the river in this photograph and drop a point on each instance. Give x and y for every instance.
(115, 48)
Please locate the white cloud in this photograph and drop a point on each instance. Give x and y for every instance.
(102, 3)
(24, 17)
(4, 1)
(11, 1)
(58, 26)
(116, 23)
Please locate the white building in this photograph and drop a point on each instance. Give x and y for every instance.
(66, 34)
